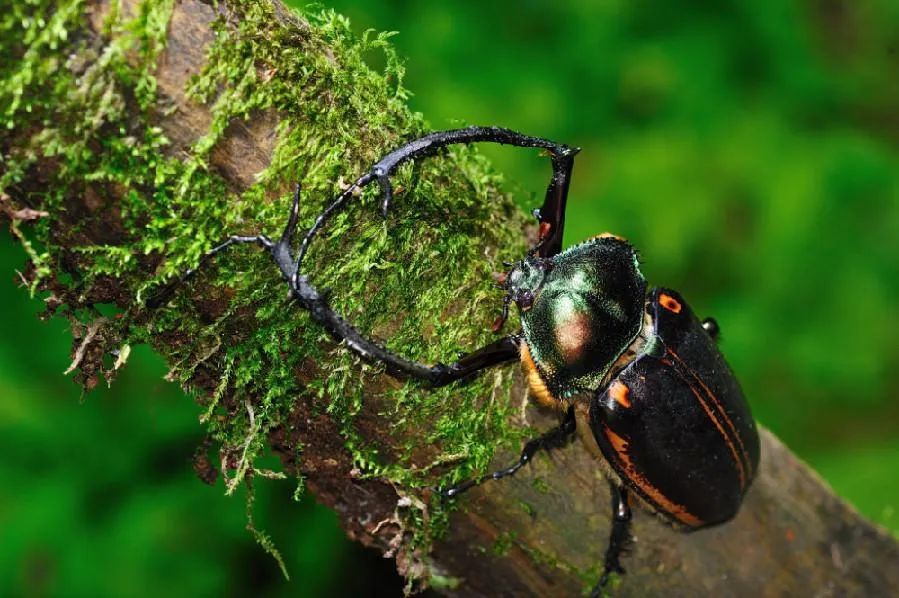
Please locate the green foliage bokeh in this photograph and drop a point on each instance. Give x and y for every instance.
(749, 150)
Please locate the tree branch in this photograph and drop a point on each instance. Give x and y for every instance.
(152, 130)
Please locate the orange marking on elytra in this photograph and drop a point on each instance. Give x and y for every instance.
(669, 303)
(747, 463)
(708, 410)
(619, 391)
(679, 512)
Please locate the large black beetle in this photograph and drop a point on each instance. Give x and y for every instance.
(632, 364)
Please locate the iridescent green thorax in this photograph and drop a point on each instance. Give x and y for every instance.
(586, 312)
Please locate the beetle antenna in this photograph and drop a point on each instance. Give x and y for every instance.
(498, 324)
(533, 250)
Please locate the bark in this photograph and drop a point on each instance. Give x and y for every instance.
(793, 536)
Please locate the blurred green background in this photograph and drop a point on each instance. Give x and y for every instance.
(749, 150)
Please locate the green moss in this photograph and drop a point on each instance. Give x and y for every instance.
(540, 485)
(503, 543)
(527, 508)
(443, 582)
(88, 108)
(588, 575)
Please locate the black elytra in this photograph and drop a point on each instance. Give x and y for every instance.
(664, 408)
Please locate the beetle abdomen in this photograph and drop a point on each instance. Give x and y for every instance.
(674, 424)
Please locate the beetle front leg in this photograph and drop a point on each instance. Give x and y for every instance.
(279, 250)
(549, 243)
(619, 537)
(555, 438)
(551, 215)
(502, 351)
(165, 293)
(498, 352)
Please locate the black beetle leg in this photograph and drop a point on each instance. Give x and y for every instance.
(164, 294)
(499, 352)
(495, 353)
(279, 251)
(432, 143)
(552, 214)
(554, 438)
(619, 537)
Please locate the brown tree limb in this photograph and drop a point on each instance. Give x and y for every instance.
(793, 536)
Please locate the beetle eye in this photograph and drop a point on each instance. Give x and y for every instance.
(525, 299)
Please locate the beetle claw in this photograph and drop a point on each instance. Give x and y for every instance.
(380, 174)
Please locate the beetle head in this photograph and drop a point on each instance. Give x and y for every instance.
(522, 284)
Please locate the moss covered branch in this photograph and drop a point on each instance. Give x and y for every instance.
(138, 134)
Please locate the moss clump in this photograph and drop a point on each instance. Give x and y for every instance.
(87, 106)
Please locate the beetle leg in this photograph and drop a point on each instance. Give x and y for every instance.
(500, 351)
(165, 293)
(554, 438)
(550, 242)
(551, 216)
(563, 156)
(280, 251)
(619, 537)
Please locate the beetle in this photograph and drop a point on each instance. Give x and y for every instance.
(629, 367)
